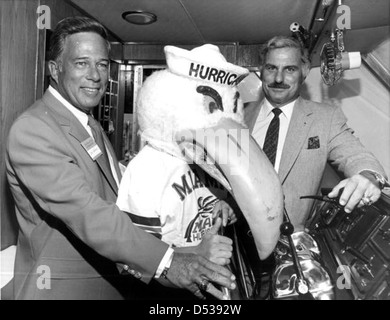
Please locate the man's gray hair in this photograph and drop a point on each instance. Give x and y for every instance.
(284, 42)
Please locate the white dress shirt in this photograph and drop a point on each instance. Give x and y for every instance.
(263, 121)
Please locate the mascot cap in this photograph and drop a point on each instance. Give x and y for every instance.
(205, 63)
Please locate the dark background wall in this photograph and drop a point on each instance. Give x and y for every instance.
(21, 79)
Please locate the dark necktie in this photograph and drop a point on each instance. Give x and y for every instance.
(272, 136)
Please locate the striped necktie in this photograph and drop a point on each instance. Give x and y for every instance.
(272, 136)
(98, 136)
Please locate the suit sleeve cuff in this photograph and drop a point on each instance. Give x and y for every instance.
(165, 262)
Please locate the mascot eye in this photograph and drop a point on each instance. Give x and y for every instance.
(236, 96)
(212, 99)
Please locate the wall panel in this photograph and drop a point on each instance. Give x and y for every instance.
(21, 79)
(140, 53)
(18, 74)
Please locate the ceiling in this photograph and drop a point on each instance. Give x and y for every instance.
(201, 21)
(191, 22)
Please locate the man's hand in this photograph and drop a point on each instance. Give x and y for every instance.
(216, 248)
(223, 209)
(189, 271)
(358, 191)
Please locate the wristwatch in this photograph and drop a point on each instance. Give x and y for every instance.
(380, 180)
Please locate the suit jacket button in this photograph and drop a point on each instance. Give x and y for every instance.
(132, 272)
(138, 275)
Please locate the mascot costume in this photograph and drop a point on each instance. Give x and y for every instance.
(197, 152)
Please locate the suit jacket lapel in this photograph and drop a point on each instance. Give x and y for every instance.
(297, 133)
(251, 112)
(66, 119)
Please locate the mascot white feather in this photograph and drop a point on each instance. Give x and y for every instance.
(192, 112)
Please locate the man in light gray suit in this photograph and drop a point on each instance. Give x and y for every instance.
(308, 136)
(73, 239)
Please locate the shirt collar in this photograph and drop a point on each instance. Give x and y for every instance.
(286, 109)
(81, 116)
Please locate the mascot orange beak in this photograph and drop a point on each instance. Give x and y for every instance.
(228, 153)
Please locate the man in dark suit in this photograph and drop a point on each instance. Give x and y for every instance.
(308, 136)
(73, 240)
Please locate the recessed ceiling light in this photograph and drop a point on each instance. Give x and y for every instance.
(139, 17)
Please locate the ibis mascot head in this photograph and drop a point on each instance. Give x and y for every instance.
(193, 110)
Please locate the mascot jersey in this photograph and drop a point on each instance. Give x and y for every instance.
(169, 198)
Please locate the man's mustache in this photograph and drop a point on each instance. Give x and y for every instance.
(279, 86)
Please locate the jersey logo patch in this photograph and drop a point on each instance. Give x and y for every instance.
(202, 221)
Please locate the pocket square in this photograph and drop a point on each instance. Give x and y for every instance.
(313, 143)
